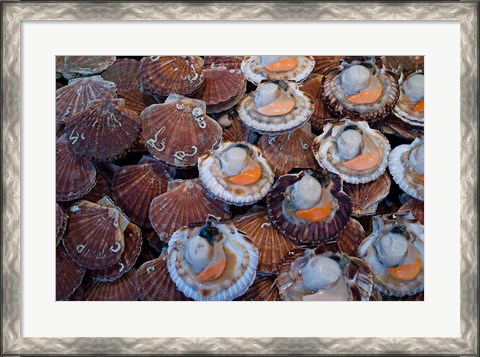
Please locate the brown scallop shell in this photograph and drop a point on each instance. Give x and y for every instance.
(75, 66)
(264, 288)
(405, 64)
(234, 130)
(187, 203)
(416, 207)
(153, 240)
(394, 126)
(313, 87)
(162, 75)
(74, 97)
(122, 289)
(104, 130)
(78, 293)
(177, 137)
(94, 237)
(100, 189)
(61, 222)
(230, 62)
(271, 245)
(288, 151)
(351, 237)
(133, 246)
(223, 88)
(75, 175)
(317, 232)
(69, 275)
(324, 63)
(365, 197)
(125, 73)
(135, 186)
(153, 283)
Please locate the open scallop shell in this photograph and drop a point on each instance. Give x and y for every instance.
(74, 66)
(279, 124)
(264, 288)
(234, 130)
(405, 108)
(289, 151)
(104, 130)
(365, 197)
(230, 62)
(187, 203)
(69, 275)
(178, 132)
(241, 264)
(61, 222)
(122, 289)
(325, 151)
(416, 207)
(217, 183)
(315, 232)
(256, 72)
(313, 87)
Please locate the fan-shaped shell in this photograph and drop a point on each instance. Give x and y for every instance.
(187, 203)
(234, 130)
(289, 151)
(271, 245)
(393, 126)
(230, 62)
(256, 72)
(403, 64)
(75, 66)
(405, 108)
(324, 63)
(122, 289)
(313, 87)
(69, 275)
(178, 133)
(104, 130)
(264, 288)
(74, 97)
(75, 175)
(162, 75)
(100, 189)
(365, 197)
(61, 222)
(416, 207)
(351, 237)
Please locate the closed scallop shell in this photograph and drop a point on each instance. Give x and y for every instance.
(288, 151)
(74, 97)
(178, 133)
(234, 130)
(324, 63)
(271, 244)
(416, 207)
(95, 234)
(403, 64)
(100, 189)
(75, 66)
(75, 175)
(313, 87)
(264, 288)
(351, 237)
(122, 289)
(187, 203)
(61, 222)
(104, 130)
(230, 62)
(366, 197)
(133, 246)
(163, 75)
(69, 274)
(394, 126)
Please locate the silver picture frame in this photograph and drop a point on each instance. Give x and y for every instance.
(14, 12)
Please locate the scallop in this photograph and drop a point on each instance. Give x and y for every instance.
(122, 289)
(293, 68)
(69, 275)
(313, 87)
(264, 288)
(366, 197)
(410, 105)
(61, 222)
(76, 66)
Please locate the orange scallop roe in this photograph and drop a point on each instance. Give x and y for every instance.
(279, 107)
(364, 162)
(406, 271)
(369, 95)
(419, 106)
(247, 177)
(418, 178)
(315, 214)
(212, 272)
(283, 65)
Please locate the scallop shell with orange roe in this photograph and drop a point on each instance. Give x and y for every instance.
(178, 132)
(75, 175)
(75, 66)
(276, 124)
(271, 244)
(163, 75)
(366, 197)
(69, 274)
(410, 110)
(289, 151)
(264, 288)
(122, 289)
(188, 202)
(354, 283)
(256, 71)
(104, 130)
(60, 222)
(238, 258)
(223, 88)
(357, 158)
(221, 186)
(95, 233)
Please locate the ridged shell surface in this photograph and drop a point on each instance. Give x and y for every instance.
(69, 275)
(234, 130)
(86, 65)
(256, 72)
(351, 237)
(60, 222)
(365, 197)
(313, 87)
(264, 288)
(122, 289)
(230, 62)
(324, 63)
(405, 107)
(100, 189)
(416, 207)
(394, 126)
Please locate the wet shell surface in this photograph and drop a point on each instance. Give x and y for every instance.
(405, 108)
(230, 62)
(366, 197)
(313, 87)
(360, 159)
(69, 275)
(75, 175)
(61, 222)
(351, 237)
(75, 66)
(122, 289)
(163, 75)
(104, 130)
(219, 184)
(187, 203)
(279, 124)
(179, 132)
(289, 151)
(240, 260)
(256, 72)
(415, 207)
(95, 234)
(234, 130)
(264, 288)
(281, 210)
(271, 245)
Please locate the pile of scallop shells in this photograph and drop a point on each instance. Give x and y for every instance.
(239, 178)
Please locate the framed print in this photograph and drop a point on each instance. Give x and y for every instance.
(173, 110)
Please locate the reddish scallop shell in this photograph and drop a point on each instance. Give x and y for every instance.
(125, 73)
(351, 237)
(264, 288)
(223, 88)
(230, 62)
(324, 63)
(394, 126)
(163, 75)
(416, 207)
(133, 246)
(100, 189)
(403, 64)
(75, 66)
(69, 275)
(234, 130)
(154, 241)
(104, 130)
(272, 246)
(94, 237)
(189, 202)
(178, 133)
(122, 289)
(74, 97)
(135, 186)
(75, 175)
(289, 151)
(153, 282)
(78, 293)
(365, 197)
(313, 87)
(61, 222)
